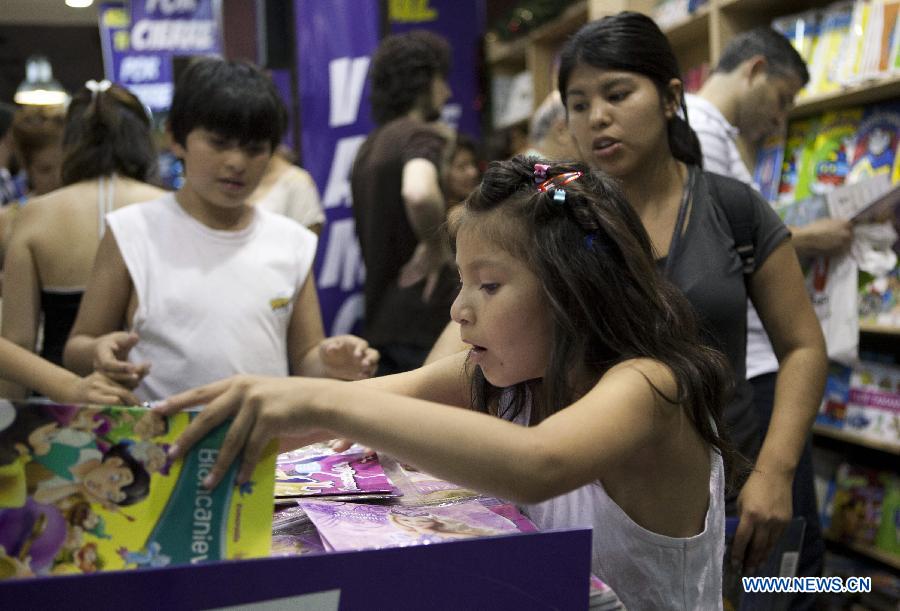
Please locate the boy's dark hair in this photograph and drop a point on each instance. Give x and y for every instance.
(139, 488)
(106, 132)
(781, 57)
(607, 301)
(402, 70)
(632, 42)
(234, 99)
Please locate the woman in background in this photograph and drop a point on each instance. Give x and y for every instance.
(108, 155)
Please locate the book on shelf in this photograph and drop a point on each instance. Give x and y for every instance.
(89, 488)
(863, 400)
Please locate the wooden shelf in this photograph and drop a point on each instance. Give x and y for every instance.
(780, 7)
(880, 329)
(886, 558)
(507, 53)
(862, 93)
(690, 31)
(860, 440)
(563, 26)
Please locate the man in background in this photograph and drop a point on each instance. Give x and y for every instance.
(398, 204)
(746, 99)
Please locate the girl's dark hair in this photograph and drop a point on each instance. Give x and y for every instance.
(632, 42)
(234, 99)
(107, 131)
(139, 488)
(402, 70)
(607, 300)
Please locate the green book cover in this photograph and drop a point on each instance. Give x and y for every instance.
(89, 488)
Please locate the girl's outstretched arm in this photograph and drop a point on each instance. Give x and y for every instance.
(620, 415)
(31, 371)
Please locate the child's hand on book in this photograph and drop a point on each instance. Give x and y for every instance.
(111, 359)
(263, 409)
(347, 357)
(97, 388)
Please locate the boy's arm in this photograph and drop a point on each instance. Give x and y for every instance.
(310, 354)
(96, 335)
(21, 296)
(305, 332)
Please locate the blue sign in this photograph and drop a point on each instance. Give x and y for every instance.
(334, 51)
(138, 49)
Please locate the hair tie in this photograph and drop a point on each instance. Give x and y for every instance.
(96, 87)
(540, 172)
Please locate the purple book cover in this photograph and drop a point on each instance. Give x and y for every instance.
(354, 526)
(318, 471)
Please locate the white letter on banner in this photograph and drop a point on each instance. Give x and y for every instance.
(346, 79)
(337, 191)
(350, 311)
(343, 262)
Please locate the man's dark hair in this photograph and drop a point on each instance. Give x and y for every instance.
(781, 56)
(233, 99)
(402, 70)
(7, 112)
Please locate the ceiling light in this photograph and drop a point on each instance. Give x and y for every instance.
(39, 88)
(79, 3)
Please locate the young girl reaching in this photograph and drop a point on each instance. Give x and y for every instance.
(590, 398)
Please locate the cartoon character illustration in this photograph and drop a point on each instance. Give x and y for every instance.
(33, 533)
(149, 556)
(113, 479)
(88, 559)
(82, 516)
(151, 425)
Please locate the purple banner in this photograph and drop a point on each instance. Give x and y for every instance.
(335, 42)
(139, 55)
(462, 24)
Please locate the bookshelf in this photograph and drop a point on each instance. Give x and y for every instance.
(868, 551)
(860, 440)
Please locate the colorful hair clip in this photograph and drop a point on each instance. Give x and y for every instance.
(559, 196)
(560, 180)
(589, 241)
(540, 172)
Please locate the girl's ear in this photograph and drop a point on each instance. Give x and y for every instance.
(672, 98)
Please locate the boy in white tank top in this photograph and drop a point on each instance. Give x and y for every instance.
(206, 285)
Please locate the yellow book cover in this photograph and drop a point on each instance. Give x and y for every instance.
(89, 488)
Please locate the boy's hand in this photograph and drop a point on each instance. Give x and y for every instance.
(348, 357)
(97, 388)
(111, 359)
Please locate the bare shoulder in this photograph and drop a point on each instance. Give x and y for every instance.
(135, 191)
(642, 377)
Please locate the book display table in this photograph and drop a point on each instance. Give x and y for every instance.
(523, 571)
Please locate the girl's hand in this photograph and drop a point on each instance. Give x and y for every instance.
(347, 357)
(111, 359)
(262, 408)
(97, 388)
